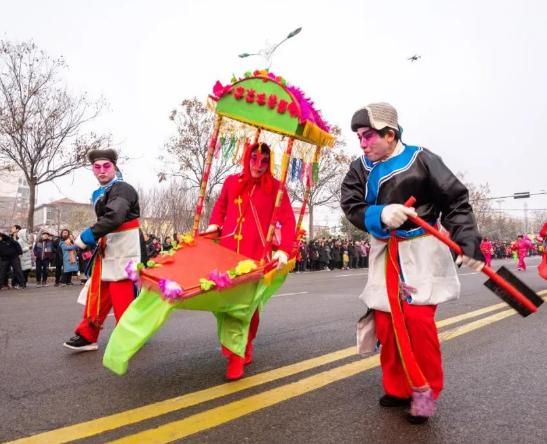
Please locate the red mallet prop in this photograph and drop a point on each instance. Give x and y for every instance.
(503, 283)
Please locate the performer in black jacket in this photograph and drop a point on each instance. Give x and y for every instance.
(117, 238)
(415, 269)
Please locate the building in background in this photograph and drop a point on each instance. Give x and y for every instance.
(14, 199)
(63, 213)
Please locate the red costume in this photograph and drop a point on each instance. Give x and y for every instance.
(486, 250)
(522, 246)
(245, 216)
(116, 237)
(243, 212)
(542, 267)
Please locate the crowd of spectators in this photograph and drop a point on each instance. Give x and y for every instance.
(43, 255)
(332, 253)
(40, 256)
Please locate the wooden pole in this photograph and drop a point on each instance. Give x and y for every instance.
(279, 196)
(207, 170)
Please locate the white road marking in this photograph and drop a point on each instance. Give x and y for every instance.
(290, 294)
(353, 274)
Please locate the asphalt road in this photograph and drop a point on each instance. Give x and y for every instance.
(306, 384)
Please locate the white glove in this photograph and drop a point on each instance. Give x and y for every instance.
(80, 244)
(281, 257)
(474, 264)
(211, 228)
(395, 215)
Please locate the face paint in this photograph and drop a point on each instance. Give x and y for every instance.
(373, 144)
(367, 136)
(106, 166)
(259, 163)
(104, 171)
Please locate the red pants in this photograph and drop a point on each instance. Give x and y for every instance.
(521, 264)
(117, 295)
(420, 322)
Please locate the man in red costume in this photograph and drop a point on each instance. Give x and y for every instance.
(116, 236)
(410, 273)
(242, 215)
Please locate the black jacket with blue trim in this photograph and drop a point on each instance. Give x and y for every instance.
(438, 193)
(118, 205)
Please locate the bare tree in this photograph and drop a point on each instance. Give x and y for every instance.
(76, 218)
(167, 210)
(194, 124)
(351, 231)
(333, 164)
(493, 224)
(539, 217)
(479, 198)
(40, 122)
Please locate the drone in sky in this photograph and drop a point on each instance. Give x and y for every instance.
(415, 58)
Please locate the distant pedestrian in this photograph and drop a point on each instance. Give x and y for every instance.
(487, 251)
(522, 246)
(10, 250)
(26, 256)
(43, 251)
(70, 257)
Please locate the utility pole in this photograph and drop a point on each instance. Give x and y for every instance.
(525, 217)
(58, 221)
(499, 202)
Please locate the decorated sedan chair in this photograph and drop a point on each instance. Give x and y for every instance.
(201, 274)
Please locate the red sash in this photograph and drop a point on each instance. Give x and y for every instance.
(414, 374)
(93, 304)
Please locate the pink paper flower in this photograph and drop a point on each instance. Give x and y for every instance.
(220, 278)
(132, 271)
(219, 90)
(170, 289)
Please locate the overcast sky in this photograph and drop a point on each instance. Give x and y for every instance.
(477, 96)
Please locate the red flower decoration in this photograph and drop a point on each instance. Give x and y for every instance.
(293, 110)
(220, 90)
(272, 101)
(282, 106)
(261, 99)
(238, 92)
(251, 94)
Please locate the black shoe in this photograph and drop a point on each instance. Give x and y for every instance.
(80, 343)
(416, 419)
(393, 401)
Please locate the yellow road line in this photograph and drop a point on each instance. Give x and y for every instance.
(128, 417)
(220, 415)
(106, 423)
(469, 315)
(480, 311)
